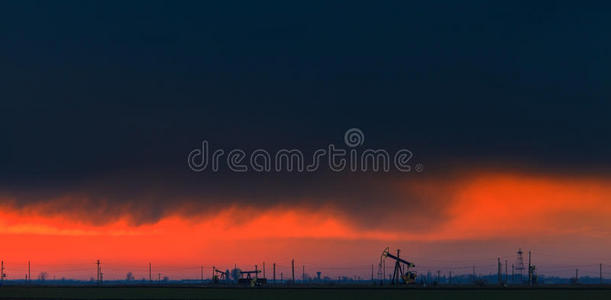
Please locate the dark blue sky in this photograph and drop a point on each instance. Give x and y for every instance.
(96, 95)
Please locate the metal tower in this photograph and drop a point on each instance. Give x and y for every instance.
(519, 266)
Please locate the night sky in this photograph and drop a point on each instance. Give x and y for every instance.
(102, 101)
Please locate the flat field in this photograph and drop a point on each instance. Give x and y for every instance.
(14, 292)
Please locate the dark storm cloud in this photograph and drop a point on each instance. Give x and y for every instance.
(366, 201)
(106, 100)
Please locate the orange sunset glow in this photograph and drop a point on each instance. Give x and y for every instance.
(482, 206)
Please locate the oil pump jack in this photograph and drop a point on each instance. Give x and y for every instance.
(401, 273)
(222, 276)
(252, 281)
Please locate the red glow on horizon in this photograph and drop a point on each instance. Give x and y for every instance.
(480, 207)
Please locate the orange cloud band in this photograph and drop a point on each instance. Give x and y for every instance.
(480, 206)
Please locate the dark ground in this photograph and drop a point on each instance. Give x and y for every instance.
(296, 293)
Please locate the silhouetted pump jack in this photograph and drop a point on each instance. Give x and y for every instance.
(249, 280)
(401, 273)
(222, 276)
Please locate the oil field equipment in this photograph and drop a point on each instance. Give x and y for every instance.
(401, 273)
(249, 280)
(221, 275)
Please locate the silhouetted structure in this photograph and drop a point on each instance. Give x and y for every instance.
(519, 266)
(401, 271)
(98, 272)
(498, 265)
(2, 275)
(249, 280)
(293, 269)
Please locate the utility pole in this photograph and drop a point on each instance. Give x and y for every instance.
(506, 278)
(450, 275)
(256, 272)
(438, 276)
(29, 273)
(530, 271)
(303, 273)
(98, 271)
(474, 273)
(383, 272)
(498, 265)
(264, 270)
(159, 277)
(150, 273)
(202, 273)
(293, 269)
(372, 273)
(513, 272)
(2, 272)
(274, 267)
(601, 273)
(576, 275)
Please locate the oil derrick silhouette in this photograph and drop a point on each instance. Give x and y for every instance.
(520, 264)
